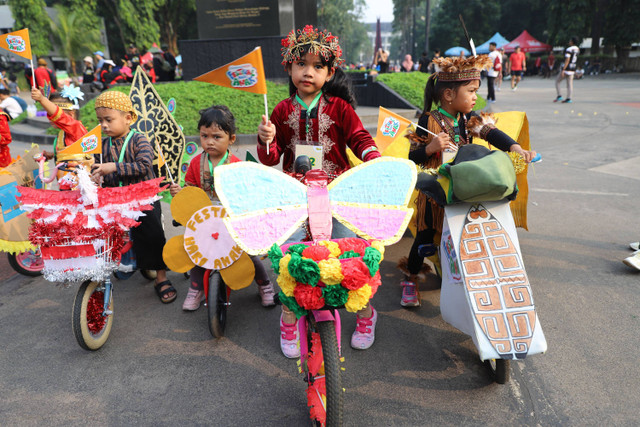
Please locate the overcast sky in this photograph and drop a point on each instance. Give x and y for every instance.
(378, 8)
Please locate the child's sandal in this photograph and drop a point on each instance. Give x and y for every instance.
(162, 294)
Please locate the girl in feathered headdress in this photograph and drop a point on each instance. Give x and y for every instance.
(449, 98)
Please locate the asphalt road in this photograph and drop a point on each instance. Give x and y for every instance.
(161, 367)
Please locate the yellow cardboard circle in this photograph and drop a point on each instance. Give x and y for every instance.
(175, 256)
(240, 274)
(187, 202)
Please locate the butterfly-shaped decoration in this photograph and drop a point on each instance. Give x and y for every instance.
(266, 206)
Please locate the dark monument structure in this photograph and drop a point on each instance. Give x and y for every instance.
(228, 29)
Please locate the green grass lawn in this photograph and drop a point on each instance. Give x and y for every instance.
(193, 96)
(411, 87)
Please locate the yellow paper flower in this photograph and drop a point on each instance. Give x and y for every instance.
(376, 244)
(358, 299)
(332, 246)
(285, 280)
(330, 271)
(286, 283)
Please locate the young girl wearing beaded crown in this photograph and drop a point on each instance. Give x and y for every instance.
(449, 98)
(319, 115)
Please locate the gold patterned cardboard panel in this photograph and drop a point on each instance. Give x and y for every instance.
(497, 284)
(158, 125)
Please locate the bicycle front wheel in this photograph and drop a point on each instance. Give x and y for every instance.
(331, 395)
(217, 304)
(90, 327)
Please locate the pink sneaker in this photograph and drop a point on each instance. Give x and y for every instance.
(289, 340)
(193, 300)
(266, 294)
(365, 332)
(409, 294)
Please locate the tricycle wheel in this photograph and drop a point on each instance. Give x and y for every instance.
(90, 327)
(28, 263)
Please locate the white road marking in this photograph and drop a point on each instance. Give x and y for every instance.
(588, 193)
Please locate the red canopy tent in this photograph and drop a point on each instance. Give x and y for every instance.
(527, 43)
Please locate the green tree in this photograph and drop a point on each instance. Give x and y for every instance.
(176, 18)
(621, 28)
(341, 17)
(74, 34)
(32, 15)
(130, 21)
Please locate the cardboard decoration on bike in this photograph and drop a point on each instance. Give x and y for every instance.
(206, 241)
(14, 223)
(369, 199)
(80, 232)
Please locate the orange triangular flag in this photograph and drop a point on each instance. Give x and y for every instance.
(161, 161)
(246, 73)
(17, 42)
(390, 125)
(90, 143)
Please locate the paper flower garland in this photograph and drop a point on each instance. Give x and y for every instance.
(333, 273)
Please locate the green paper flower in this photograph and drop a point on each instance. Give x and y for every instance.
(297, 249)
(291, 304)
(349, 254)
(372, 258)
(335, 296)
(275, 255)
(304, 270)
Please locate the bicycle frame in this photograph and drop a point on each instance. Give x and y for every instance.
(331, 315)
(207, 274)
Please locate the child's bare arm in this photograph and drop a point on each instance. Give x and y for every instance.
(48, 106)
(174, 189)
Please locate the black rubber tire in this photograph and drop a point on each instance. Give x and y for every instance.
(20, 268)
(332, 372)
(217, 305)
(87, 339)
(149, 274)
(500, 369)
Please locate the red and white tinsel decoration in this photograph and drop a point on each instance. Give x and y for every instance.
(81, 232)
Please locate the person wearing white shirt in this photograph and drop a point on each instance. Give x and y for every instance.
(9, 105)
(493, 72)
(568, 70)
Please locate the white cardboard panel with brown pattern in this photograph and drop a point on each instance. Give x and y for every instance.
(485, 288)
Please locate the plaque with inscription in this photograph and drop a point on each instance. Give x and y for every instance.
(237, 18)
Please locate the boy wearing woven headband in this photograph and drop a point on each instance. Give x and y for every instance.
(452, 93)
(320, 113)
(128, 159)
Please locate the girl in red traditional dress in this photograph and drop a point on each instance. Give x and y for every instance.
(319, 115)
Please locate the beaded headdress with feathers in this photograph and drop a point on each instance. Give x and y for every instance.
(318, 42)
(455, 69)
